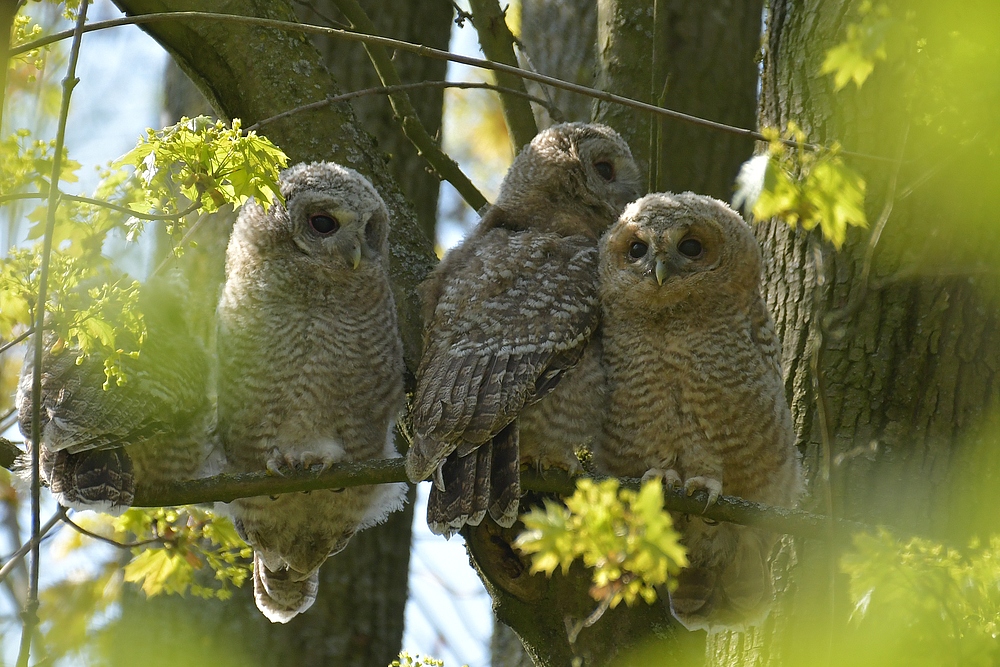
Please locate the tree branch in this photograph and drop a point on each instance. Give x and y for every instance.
(428, 52)
(383, 90)
(228, 487)
(409, 121)
(104, 204)
(498, 44)
(30, 614)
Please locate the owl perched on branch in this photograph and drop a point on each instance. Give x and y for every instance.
(311, 371)
(695, 394)
(510, 372)
(154, 427)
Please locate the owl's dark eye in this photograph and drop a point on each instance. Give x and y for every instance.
(690, 248)
(605, 170)
(323, 224)
(637, 250)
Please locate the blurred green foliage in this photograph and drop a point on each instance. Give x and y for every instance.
(407, 660)
(855, 57)
(920, 602)
(625, 536)
(804, 187)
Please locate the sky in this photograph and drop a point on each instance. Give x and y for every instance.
(119, 96)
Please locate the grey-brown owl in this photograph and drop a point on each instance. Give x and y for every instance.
(311, 371)
(97, 443)
(507, 375)
(695, 393)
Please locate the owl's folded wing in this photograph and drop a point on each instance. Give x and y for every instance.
(513, 311)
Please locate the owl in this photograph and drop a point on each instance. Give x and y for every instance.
(511, 371)
(96, 442)
(310, 371)
(695, 394)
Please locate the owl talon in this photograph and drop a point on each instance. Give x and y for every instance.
(709, 484)
(669, 477)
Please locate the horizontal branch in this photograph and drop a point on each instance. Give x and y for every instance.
(228, 487)
(437, 54)
(386, 90)
(104, 204)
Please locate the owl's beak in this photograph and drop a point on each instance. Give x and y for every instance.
(356, 255)
(352, 252)
(661, 271)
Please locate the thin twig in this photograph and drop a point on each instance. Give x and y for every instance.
(19, 555)
(107, 540)
(30, 614)
(11, 343)
(436, 54)
(842, 316)
(409, 121)
(103, 204)
(385, 90)
(497, 43)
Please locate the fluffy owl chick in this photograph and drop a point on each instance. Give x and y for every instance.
(96, 442)
(695, 394)
(508, 316)
(311, 371)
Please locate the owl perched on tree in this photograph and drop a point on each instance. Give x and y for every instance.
(311, 371)
(154, 427)
(695, 394)
(507, 375)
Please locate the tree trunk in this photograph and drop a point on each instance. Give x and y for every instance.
(560, 40)
(427, 23)
(695, 57)
(908, 358)
(357, 619)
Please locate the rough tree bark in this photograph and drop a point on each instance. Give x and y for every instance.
(560, 40)
(253, 74)
(908, 358)
(701, 57)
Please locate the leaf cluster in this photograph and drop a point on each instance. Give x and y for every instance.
(625, 536)
(205, 163)
(854, 58)
(935, 604)
(176, 543)
(803, 187)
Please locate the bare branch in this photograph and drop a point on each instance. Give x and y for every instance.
(429, 52)
(104, 204)
(11, 343)
(409, 121)
(107, 540)
(498, 45)
(553, 110)
(30, 613)
(19, 555)
(228, 487)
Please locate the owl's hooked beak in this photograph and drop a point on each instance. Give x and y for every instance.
(661, 271)
(351, 250)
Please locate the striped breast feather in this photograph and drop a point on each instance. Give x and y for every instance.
(513, 309)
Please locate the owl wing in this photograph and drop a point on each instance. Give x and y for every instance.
(512, 311)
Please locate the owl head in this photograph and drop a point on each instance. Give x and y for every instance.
(670, 251)
(333, 221)
(572, 170)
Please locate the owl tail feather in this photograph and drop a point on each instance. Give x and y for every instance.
(95, 479)
(464, 492)
(282, 594)
(733, 599)
(486, 480)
